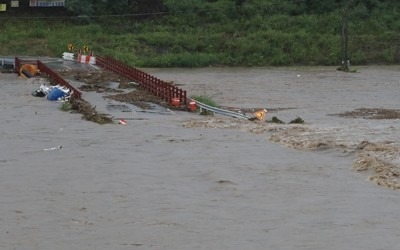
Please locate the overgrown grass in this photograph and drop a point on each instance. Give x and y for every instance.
(207, 33)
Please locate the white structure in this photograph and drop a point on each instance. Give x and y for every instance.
(68, 56)
(48, 3)
(86, 59)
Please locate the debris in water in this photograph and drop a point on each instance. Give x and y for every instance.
(276, 120)
(298, 120)
(122, 122)
(54, 148)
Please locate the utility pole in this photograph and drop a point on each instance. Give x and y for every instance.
(345, 43)
(345, 38)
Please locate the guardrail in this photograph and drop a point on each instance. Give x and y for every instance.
(58, 79)
(44, 69)
(19, 62)
(7, 62)
(219, 111)
(157, 87)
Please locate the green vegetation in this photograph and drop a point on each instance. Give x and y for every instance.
(66, 106)
(276, 120)
(298, 120)
(205, 99)
(198, 33)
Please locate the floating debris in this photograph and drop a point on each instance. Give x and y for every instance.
(54, 148)
(276, 120)
(298, 120)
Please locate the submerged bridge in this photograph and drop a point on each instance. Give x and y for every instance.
(157, 87)
(162, 89)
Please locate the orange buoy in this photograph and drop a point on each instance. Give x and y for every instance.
(28, 70)
(176, 102)
(192, 106)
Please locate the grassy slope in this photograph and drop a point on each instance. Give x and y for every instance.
(213, 34)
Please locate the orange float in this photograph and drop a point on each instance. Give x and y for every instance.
(28, 70)
(176, 102)
(192, 106)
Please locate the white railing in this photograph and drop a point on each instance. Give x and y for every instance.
(219, 111)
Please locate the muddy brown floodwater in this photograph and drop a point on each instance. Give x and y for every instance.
(342, 111)
(178, 180)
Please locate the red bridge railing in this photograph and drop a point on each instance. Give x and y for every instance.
(49, 72)
(58, 79)
(19, 62)
(157, 87)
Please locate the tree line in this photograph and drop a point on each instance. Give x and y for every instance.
(294, 7)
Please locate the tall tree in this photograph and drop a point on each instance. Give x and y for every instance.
(80, 7)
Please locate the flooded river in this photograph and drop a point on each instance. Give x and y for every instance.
(185, 181)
